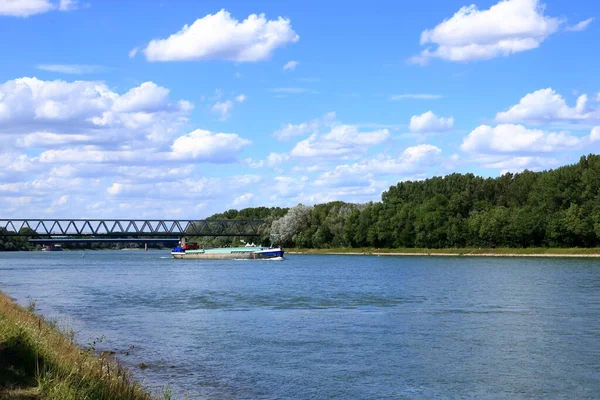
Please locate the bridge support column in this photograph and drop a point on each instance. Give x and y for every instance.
(146, 246)
(182, 241)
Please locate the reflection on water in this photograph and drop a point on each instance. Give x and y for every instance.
(338, 327)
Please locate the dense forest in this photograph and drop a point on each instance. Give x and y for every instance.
(555, 208)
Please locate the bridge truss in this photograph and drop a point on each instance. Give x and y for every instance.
(128, 227)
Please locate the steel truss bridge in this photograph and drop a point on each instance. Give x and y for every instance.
(127, 228)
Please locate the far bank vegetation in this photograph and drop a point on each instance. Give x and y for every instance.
(557, 208)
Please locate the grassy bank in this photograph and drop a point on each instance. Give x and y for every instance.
(39, 361)
(502, 252)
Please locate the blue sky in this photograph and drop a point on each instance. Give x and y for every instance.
(186, 108)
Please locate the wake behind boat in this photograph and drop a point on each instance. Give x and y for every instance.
(248, 252)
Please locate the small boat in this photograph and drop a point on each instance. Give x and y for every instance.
(248, 252)
(56, 247)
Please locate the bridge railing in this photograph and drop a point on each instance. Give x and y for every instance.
(129, 227)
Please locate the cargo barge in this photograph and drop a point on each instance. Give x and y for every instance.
(248, 252)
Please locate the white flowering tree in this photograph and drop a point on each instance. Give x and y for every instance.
(285, 229)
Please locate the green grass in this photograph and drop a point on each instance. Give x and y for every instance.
(39, 361)
(458, 251)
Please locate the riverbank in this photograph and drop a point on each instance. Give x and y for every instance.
(503, 252)
(38, 360)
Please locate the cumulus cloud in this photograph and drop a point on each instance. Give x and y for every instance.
(220, 36)
(508, 27)
(545, 106)
(292, 130)
(209, 146)
(240, 98)
(147, 97)
(341, 141)
(509, 138)
(580, 26)
(429, 122)
(82, 139)
(412, 160)
(290, 65)
(26, 8)
(242, 200)
(60, 112)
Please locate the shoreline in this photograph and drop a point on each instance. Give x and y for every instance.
(41, 360)
(533, 252)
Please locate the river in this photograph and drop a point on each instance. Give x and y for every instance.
(329, 327)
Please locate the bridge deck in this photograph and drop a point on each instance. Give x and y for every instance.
(166, 240)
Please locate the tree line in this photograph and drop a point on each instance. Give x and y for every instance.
(554, 208)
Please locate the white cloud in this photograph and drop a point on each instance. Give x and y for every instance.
(31, 106)
(242, 200)
(223, 108)
(81, 139)
(595, 134)
(510, 26)
(219, 36)
(428, 122)
(62, 200)
(291, 130)
(49, 139)
(253, 164)
(340, 142)
(544, 106)
(274, 160)
(207, 146)
(26, 8)
(68, 5)
(290, 65)
(508, 138)
(76, 69)
(133, 52)
(240, 98)
(412, 160)
(417, 96)
(580, 26)
(147, 97)
(517, 164)
(286, 187)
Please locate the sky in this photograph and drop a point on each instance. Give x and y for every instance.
(183, 109)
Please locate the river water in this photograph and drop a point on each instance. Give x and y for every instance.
(329, 327)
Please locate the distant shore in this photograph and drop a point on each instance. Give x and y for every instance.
(468, 252)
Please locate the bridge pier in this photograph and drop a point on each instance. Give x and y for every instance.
(146, 246)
